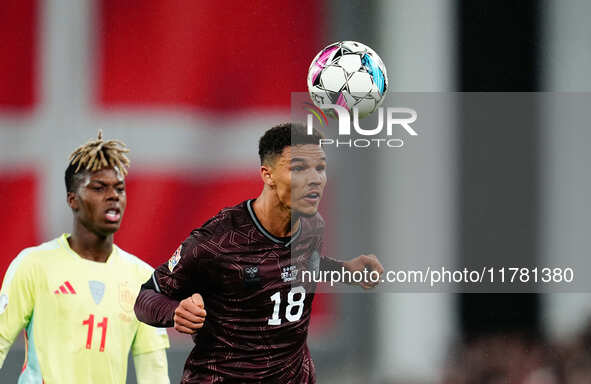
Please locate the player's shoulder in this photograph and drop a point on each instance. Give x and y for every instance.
(32, 258)
(38, 252)
(135, 263)
(228, 219)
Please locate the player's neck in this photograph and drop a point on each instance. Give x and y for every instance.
(274, 216)
(89, 245)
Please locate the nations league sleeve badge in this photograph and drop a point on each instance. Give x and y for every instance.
(176, 257)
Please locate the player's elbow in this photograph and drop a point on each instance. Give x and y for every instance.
(154, 308)
(142, 301)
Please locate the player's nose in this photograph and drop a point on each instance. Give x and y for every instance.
(315, 178)
(112, 194)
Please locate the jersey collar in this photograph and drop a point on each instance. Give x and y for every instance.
(64, 243)
(286, 242)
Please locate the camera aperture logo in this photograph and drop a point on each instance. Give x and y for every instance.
(393, 124)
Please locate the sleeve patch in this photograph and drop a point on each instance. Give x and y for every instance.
(176, 257)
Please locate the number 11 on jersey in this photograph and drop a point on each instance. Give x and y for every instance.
(102, 324)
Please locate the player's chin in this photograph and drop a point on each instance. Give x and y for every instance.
(110, 228)
(307, 210)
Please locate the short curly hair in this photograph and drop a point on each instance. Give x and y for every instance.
(272, 143)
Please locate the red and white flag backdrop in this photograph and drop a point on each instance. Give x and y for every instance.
(191, 85)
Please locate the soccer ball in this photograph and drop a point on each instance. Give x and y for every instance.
(349, 74)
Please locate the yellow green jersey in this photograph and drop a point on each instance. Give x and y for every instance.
(78, 314)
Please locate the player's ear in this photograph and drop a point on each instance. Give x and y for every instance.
(72, 200)
(267, 175)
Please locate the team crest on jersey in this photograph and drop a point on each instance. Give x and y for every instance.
(3, 302)
(251, 274)
(176, 257)
(97, 290)
(126, 300)
(289, 273)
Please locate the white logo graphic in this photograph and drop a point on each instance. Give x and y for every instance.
(396, 120)
(289, 273)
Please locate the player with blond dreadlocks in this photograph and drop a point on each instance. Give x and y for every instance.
(113, 150)
(74, 295)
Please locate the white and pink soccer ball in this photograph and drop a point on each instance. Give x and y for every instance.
(349, 74)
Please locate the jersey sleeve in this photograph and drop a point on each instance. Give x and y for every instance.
(151, 367)
(326, 263)
(180, 276)
(330, 264)
(17, 299)
(149, 339)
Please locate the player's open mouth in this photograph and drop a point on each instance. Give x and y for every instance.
(312, 197)
(113, 215)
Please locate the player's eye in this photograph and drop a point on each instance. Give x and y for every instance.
(321, 167)
(297, 168)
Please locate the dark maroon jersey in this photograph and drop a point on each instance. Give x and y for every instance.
(258, 309)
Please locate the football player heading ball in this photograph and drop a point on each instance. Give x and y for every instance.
(233, 283)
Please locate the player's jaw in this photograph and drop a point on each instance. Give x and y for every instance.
(307, 201)
(107, 218)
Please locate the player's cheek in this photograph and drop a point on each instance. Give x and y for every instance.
(123, 202)
(87, 209)
(298, 183)
(288, 196)
(289, 186)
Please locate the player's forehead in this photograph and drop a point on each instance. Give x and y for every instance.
(304, 152)
(106, 175)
